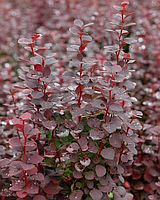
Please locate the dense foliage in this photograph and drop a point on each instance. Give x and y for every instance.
(79, 100)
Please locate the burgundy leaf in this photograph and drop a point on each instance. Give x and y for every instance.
(15, 142)
(33, 74)
(37, 94)
(110, 128)
(129, 84)
(119, 78)
(89, 24)
(21, 194)
(24, 41)
(50, 55)
(79, 57)
(90, 185)
(108, 153)
(27, 128)
(76, 195)
(46, 71)
(68, 75)
(130, 40)
(49, 152)
(73, 157)
(15, 172)
(79, 167)
(74, 31)
(32, 190)
(121, 191)
(51, 125)
(36, 60)
(116, 68)
(129, 24)
(100, 170)
(39, 197)
(17, 185)
(77, 174)
(94, 122)
(92, 147)
(34, 131)
(99, 104)
(17, 122)
(26, 166)
(106, 188)
(4, 162)
(50, 61)
(31, 145)
(115, 140)
(118, 8)
(51, 189)
(85, 161)
(96, 135)
(32, 171)
(89, 175)
(46, 105)
(78, 22)
(83, 143)
(86, 38)
(31, 83)
(73, 147)
(35, 159)
(96, 194)
(116, 107)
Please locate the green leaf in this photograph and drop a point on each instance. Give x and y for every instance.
(58, 118)
(57, 142)
(100, 116)
(67, 162)
(89, 198)
(67, 172)
(86, 128)
(66, 140)
(50, 162)
(49, 136)
(110, 195)
(68, 115)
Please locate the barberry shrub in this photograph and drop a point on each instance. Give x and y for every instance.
(76, 132)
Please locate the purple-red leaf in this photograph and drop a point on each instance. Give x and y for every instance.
(39, 197)
(31, 145)
(24, 41)
(68, 75)
(94, 122)
(78, 22)
(21, 194)
(85, 161)
(108, 153)
(115, 140)
(35, 159)
(89, 175)
(100, 170)
(73, 147)
(76, 195)
(96, 135)
(26, 166)
(15, 142)
(79, 167)
(51, 188)
(77, 174)
(96, 194)
(46, 71)
(83, 143)
(49, 152)
(51, 125)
